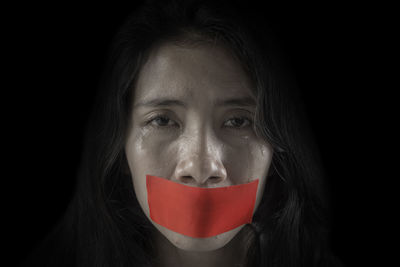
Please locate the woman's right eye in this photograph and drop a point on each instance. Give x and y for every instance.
(161, 121)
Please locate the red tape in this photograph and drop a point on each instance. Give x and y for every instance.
(200, 212)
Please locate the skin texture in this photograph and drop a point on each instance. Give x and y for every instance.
(203, 143)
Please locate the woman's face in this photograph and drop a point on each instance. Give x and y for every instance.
(191, 123)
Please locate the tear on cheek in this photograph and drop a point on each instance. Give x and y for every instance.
(200, 212)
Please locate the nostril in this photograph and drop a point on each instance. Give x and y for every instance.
(211, 179)
(215, 179)
(186, 178)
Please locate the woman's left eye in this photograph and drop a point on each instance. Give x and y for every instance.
(238, 122)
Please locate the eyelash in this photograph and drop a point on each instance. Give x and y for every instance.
(158, 116)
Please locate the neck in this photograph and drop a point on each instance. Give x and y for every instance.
(232, 254)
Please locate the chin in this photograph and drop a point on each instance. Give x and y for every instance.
(198, 244)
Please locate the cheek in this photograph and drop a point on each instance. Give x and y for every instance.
(258, 159)
(146, 153)
(248, 159)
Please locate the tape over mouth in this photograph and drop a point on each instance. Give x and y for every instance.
(200, 212)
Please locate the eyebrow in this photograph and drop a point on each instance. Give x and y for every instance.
(165, 102)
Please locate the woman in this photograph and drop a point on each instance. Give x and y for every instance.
(194, 99)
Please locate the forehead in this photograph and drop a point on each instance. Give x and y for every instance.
(201, 72)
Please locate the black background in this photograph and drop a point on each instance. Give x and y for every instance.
(56, 53)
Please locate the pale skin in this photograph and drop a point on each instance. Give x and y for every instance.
(197, 137)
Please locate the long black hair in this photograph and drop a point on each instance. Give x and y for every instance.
(104, 224)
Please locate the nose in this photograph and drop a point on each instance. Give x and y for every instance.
(200, 162)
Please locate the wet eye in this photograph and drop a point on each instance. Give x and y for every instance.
(238, 122)
(161, 121)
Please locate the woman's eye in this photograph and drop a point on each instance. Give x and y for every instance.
(239, 122)
(164, 122)
(161, 121)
